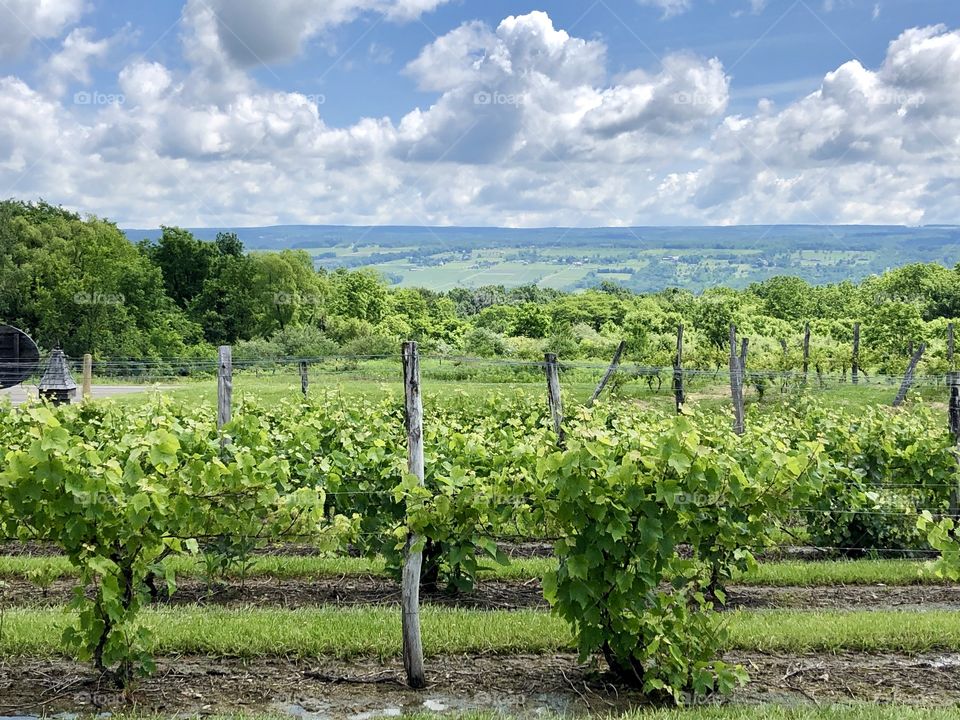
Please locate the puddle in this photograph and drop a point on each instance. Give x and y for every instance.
(372, 714)
(367, 706)
(945, 662)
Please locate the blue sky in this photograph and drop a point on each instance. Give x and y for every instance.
(599, 113)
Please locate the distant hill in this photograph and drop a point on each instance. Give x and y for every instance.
(640, 258)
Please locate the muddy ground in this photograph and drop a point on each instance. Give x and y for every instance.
(524, 685)
(489, 595)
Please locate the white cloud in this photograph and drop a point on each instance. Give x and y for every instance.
(672, 8)
(527, 127)
(253, 32)
(869, 146)
(26, 21)
(669, 7)
(72, 63)
(529, 91)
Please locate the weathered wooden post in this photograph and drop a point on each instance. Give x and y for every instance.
(908, 377)
(413, 557)
(678, 394)
(951, 345)
(87, 385)
(614, 364)
(736, 384)
(806, 352)
(855, 361)
(304, 378)
(224, 389)
(553, 396)
(785, 371)
(953, 383)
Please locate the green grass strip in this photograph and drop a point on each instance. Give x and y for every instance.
(759, 712)
(774, 574)
(840, 572)
(778, 712)
(322, 631)
(371, 631)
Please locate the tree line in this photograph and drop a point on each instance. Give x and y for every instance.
(79, 283)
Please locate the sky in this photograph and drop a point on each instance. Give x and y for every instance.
(484, 112)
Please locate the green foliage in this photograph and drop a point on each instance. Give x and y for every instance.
(882, 468)
(630, 494)
(122, 493)
(79, 282)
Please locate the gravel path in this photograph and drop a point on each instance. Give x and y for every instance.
(20, 393)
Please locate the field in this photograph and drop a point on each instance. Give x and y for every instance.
(643, 259)
(304, 619)
(640, 268)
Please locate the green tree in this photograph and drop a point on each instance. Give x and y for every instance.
(531, 320)
(185, 262)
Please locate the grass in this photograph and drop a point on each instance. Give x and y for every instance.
(372, 631)
(773, 574)
(375, 378)
(840, 572)
(335, 632)
(778, 712)
(759, 712)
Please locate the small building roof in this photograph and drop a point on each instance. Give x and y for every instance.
(57, 375)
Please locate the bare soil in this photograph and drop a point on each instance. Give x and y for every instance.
(488, 595)
(523, 685)
(298, 592)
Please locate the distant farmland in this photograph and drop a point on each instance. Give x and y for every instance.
(641, 259)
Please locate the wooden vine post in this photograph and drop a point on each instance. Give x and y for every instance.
(855, 360)
(736, 383)
(908, 376)
(611, 371)
(678, 394)
(304, 378)
(553, 396)
(413, 555)
(224, 390)
(953, 383)
(786, 360)
(87, 384)
(951, 346)
(806, 352)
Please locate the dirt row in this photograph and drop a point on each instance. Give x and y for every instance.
(489, 595)
(516, 684)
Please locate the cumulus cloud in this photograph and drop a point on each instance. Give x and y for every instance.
(254, 32)
(868, 146)
(24, 21)
(526, 126)
(530, 91)
(71, 64)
